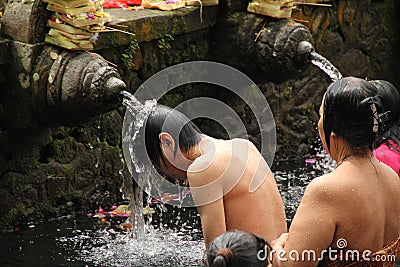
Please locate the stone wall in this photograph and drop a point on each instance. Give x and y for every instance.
(360, 38)
(50, 172)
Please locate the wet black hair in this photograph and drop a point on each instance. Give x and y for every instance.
(354, 110)
(236, 249)
(391, 102)
(164, 119)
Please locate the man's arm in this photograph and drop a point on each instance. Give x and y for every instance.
(312, 229)
(207, 192)
(212, 220)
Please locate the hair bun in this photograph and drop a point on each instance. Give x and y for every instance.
(226, 253)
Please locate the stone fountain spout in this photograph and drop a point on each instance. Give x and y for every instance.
(265, 48)
(304, 50)
(47, 85)
(82, 85)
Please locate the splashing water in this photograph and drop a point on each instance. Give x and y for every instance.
(162, 247)
(135, 117)
(292, 182)
(144, 176)
(178, 241)
(326, 66)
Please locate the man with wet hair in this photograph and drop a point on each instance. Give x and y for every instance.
(231, 183)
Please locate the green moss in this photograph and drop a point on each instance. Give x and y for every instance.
(14, 183)
(46, 209)
(17, 213)
(176, 25)
(113, 40)
(165, 43)
(128, 56)
(172, 99)
(287, 92)
(89, 146)
(308, 110)
(235, 15)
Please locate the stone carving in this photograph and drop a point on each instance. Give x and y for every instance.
(74, 86)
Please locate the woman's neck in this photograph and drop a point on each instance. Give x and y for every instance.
(341, 150)
(363, 154)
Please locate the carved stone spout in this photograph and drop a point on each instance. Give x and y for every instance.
(71, 87)
(265, 48)
(46, 85)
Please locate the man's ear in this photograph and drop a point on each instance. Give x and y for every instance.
(167, 141)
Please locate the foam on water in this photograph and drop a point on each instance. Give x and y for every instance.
(161, 247)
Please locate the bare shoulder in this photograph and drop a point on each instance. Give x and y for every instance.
(244, 147)
(324, 189)
(243, 141)
(205, 169)
(212, 165)
(336, 189)
(390, 176)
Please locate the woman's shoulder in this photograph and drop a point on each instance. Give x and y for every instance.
(328, 187)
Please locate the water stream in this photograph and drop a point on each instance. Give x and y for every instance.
(133, 186)
(326, 66)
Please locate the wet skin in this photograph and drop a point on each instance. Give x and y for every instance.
(359, 201)
(231, 184)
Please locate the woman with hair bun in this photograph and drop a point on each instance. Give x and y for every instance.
(238, 249)
(351, 216)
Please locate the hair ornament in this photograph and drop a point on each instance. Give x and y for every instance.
(375, 115)
(384, 118)
(380, 119)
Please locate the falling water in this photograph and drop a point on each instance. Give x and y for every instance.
(325, 65)
(135, 117)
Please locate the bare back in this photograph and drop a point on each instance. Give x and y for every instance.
(371, 204)
(243, 189)
(358, 202)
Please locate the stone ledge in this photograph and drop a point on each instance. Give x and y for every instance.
(149, 24)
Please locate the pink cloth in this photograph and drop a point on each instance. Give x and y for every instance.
(389, 156)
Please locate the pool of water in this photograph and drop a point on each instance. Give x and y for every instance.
(173, 236)
(175, 240)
